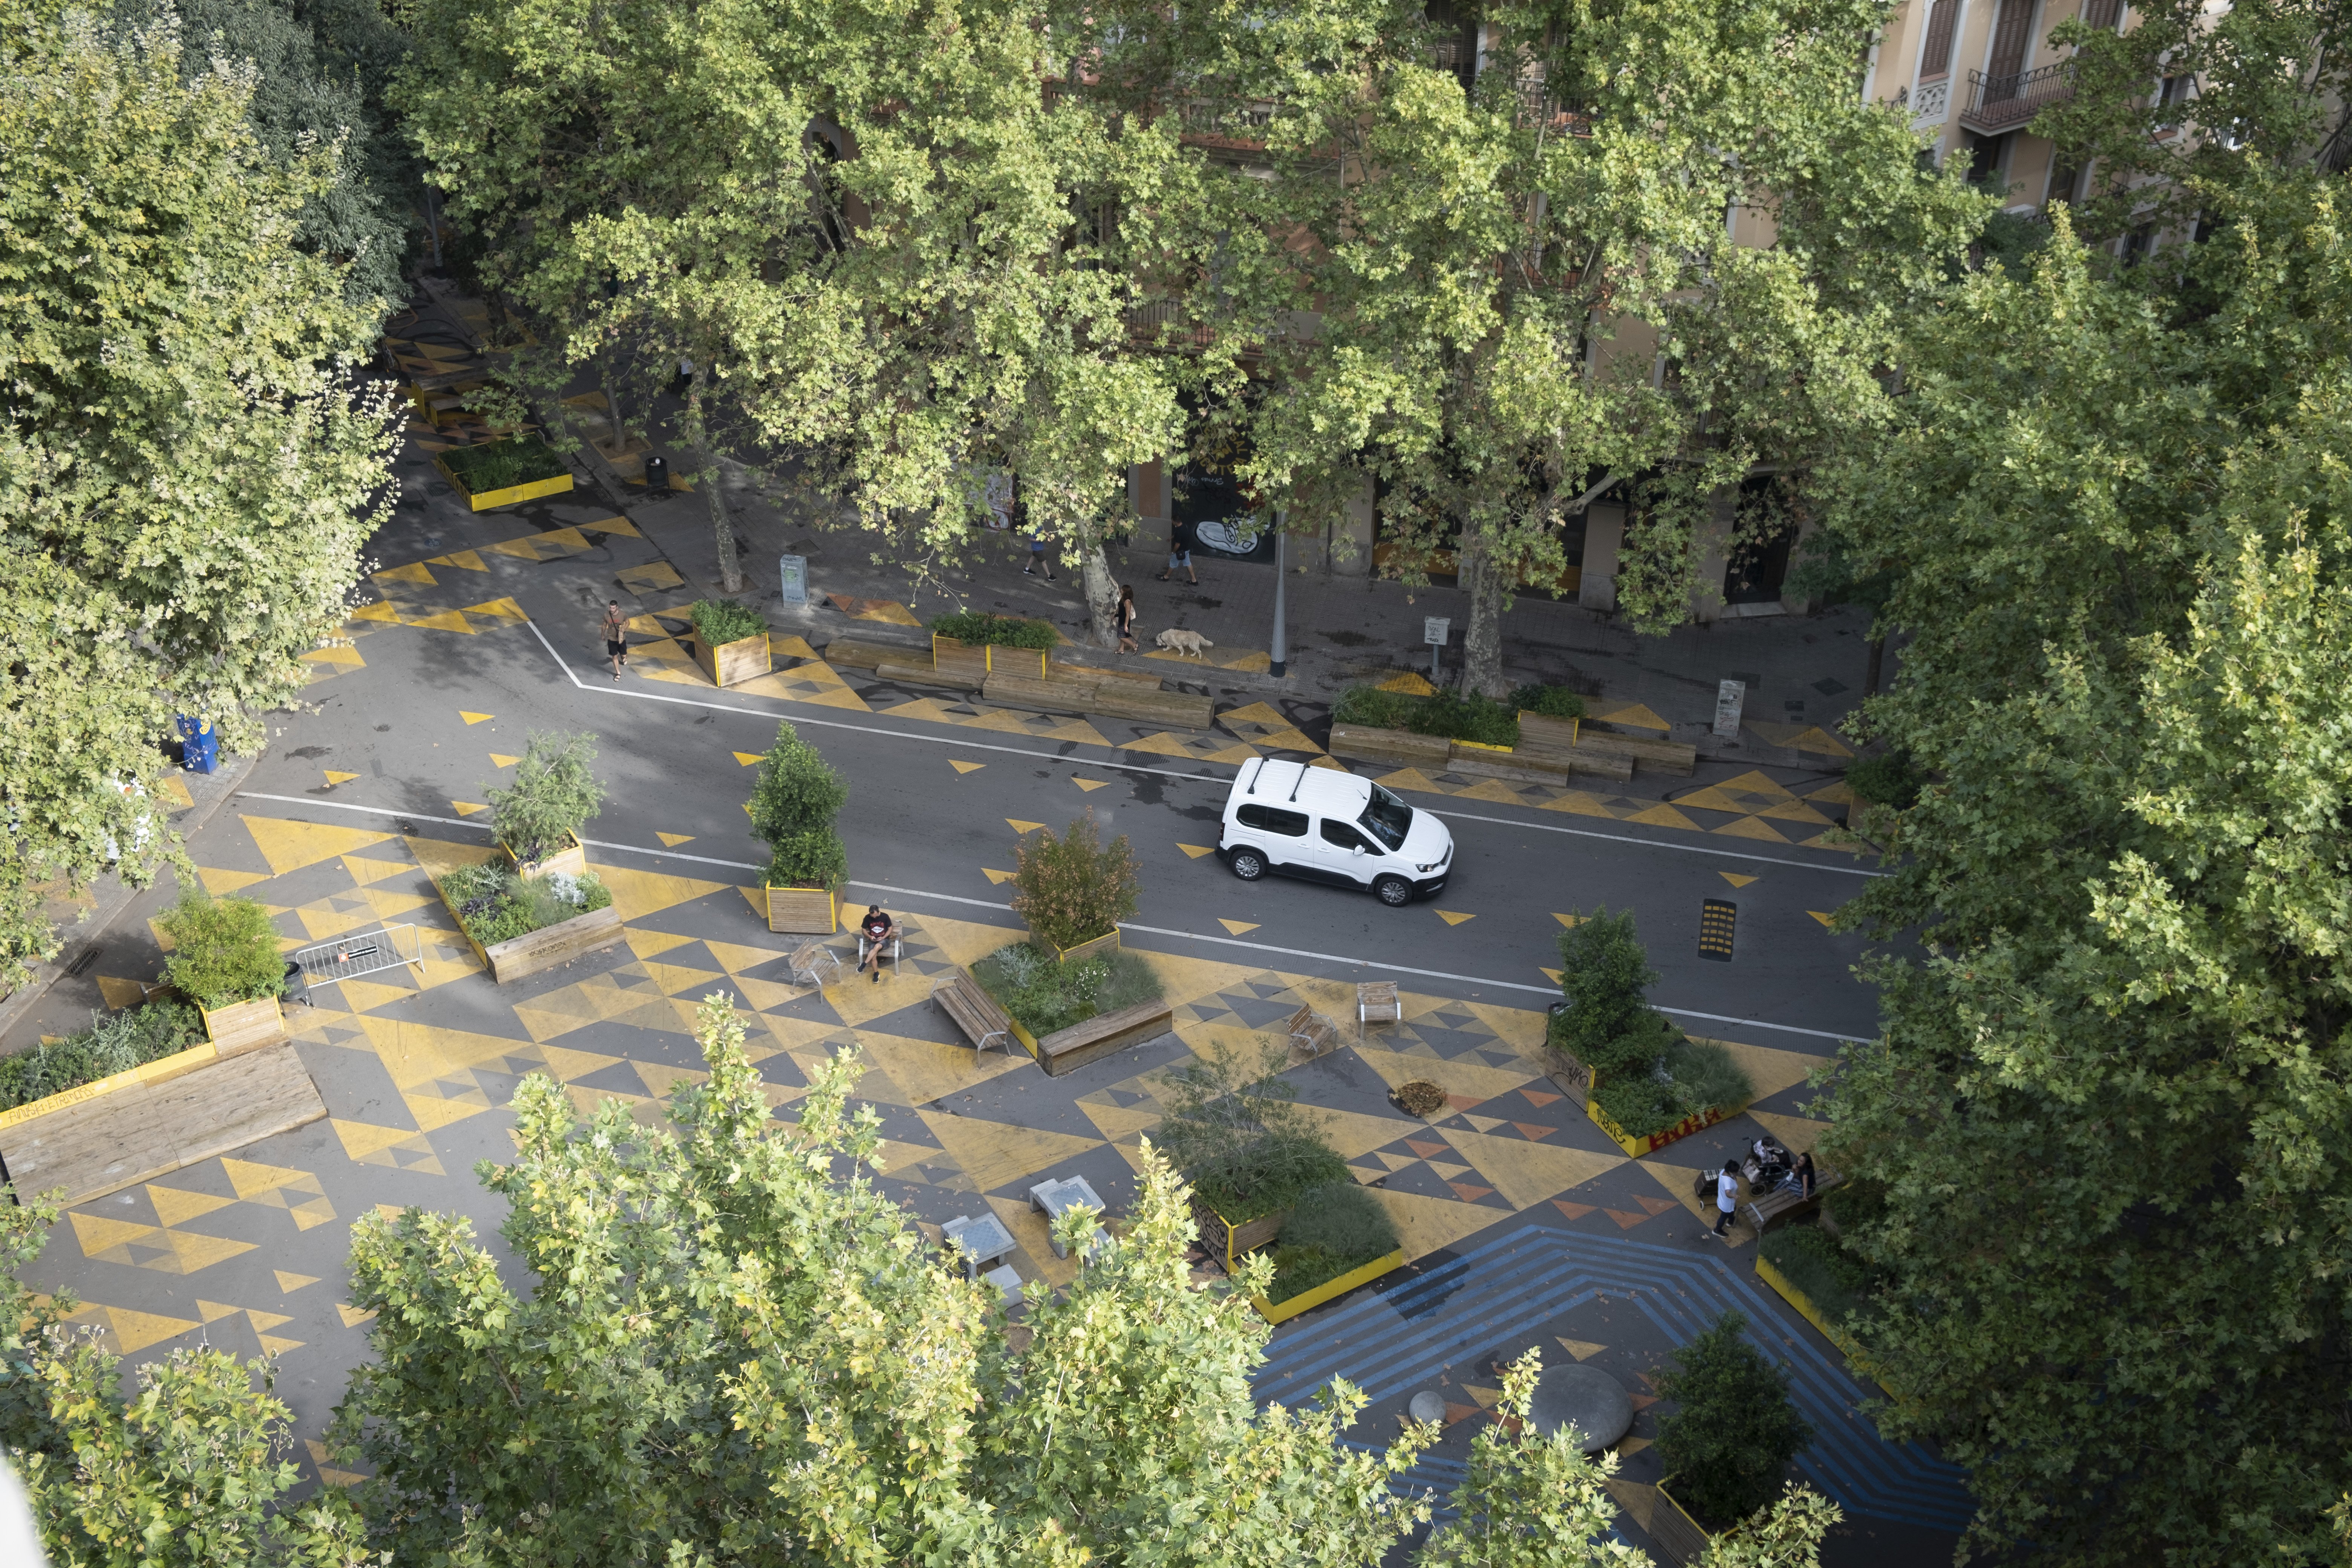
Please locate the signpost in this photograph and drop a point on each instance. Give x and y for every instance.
(795, 569)
(1434, 629)
(1728, 699)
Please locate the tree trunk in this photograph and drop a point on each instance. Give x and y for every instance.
(1877, 647)
(722, 531)
(1482, 639)
(1102, 595)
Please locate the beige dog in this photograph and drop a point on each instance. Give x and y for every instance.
(1179, 640)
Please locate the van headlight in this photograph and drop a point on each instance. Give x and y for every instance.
(1437, 863)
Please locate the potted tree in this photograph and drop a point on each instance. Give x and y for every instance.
(224, 959)
(538, 818)
(1643, 1082)
(1074, 890)
(1733, 1434)
(1247, 1145)
(730, 641)
(793, 806)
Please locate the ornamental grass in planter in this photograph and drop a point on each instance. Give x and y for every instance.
(1046, 996)
(730, 641)
(495, 903)
(1335, 1229)
(1074, 889)
(1447, 714)
(793, 802)
(978, 629)
(112, 1044)
(538, 818)
(1235, 1129)
(1735, 1430)
(500, 473)
(1644, 1075)
(224, 959)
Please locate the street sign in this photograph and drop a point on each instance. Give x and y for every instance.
(796, 576)
(1728, 699)
(1434, 629)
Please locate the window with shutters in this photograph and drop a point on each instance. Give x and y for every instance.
(2012, 35)
(1937, 61)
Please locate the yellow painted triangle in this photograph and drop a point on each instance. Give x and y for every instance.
(1020, 826)
(411, 574)
(217, 882)
(443, 621)
(476, 718)
(500, 760)
(214, 1312)
(272, 1345)
(351, 1316)
(1091, 785)
(1820, 916)
(674, 840)
(469, 560)
(432, 1114)
(1583, 1350)
(173, 1207)
(1735, 878)
(1453, 919)
(1196, 850)
(289, 1283)
(291, 846)
(747, 758)
(995, 875)
(1571, 922)
(362, 1139)
(1552, 974)
(467, 808)
(1238, 927)
(334, 778)
(251, 1180)
(134, 1332)
(1487, 1398)
(965, 767)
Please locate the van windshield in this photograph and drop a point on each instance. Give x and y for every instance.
(1386, 818)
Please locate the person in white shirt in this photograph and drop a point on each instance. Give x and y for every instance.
(1727, 1196)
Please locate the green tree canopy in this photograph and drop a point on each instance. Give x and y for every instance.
(186, 463)
(2109, 1110)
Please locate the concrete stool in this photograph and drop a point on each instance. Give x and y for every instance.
(1584, 1397)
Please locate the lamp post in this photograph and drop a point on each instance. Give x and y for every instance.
(1281, 579)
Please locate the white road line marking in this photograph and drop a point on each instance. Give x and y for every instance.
(1164, 773)
(991, 904)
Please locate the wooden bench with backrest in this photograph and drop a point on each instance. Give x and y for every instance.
(975, 1012)
(1376, 1003)
(813, 963)
(1761, 1211)
(1311, 1033)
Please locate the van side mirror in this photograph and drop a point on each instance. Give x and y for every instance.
(1358, 849)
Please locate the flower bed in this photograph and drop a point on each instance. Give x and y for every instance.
(495, 905)
(1045, 997)
(111, 1044)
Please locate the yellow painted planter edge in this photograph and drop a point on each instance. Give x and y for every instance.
(1651, 1144)
(1694, 1524)
(557, 486)
(1281, 1311)
(156, 1072)
(1789, 1292)
(768, 906)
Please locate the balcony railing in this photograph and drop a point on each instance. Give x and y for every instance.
(1998, 104)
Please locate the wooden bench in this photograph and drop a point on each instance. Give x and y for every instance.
(1068, 1049)
(1311, 1032)
(1761, 1211)
(1401, 747)
(103, 1145)
(1655, 755)
(921, 675)
(1376, 1003)
(975, 1012)
(857, 653)
(1027, 691)
(1131, 699)
(1543, 739)
(813, 963)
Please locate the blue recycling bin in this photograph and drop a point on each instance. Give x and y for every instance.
(200, 747)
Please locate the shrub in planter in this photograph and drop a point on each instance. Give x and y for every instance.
(718, 622)
(496, 904)
(1334, 1228)
(1241, 1138)
(1837, 1282)
(553, 797)
(975, 629)
(502, 465)
(111, 1044)
(1551, 701)
(1889, 779)
(1044, 997)
(1735, 1429)
(1648, 1076)
(1076, 887)
(224, 951)
(1448, 714)
(793, 805)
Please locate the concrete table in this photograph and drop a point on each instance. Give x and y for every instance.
(980, 1242)
(1050, 1198)
(1584, 1397)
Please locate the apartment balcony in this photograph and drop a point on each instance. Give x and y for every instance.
(1999, 103)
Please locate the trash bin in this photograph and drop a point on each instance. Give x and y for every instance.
(199, 746)
(656, 472)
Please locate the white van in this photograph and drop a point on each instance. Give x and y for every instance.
(1329, 827)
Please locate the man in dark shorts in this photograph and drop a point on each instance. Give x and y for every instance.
(878, 929)
(617, 635)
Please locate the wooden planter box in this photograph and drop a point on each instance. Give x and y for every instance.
(1231, 1243)
(549, 945)
(1401, 747)
(732, 663)
(1066, 1049)
(1679, 1538)
(1573, 1076)
(1329, 1290)
(805, 908)
(572, 862)
(243, 1026)
(1541, 731)
(507, 497)
(1813, 1315)
(977, 661)
(160, 1070)
(1109, 943)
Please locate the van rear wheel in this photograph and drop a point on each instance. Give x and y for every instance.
(1248, 865)
(1394, 891)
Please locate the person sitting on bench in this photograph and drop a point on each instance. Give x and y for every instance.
(879, 931)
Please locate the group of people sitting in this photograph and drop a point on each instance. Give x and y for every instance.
(1768, 1168)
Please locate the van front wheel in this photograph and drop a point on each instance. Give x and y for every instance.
(1248, 865)
(1394, 891)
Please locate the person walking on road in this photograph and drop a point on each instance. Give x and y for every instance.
(1037, 558)
(1126, 619)
(1727, 1196)
(617, 635)
(1179, 551)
